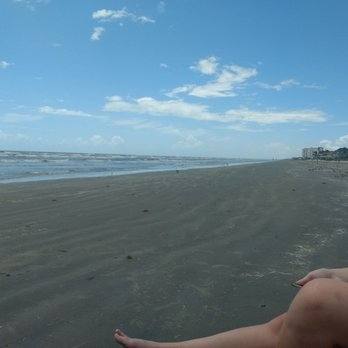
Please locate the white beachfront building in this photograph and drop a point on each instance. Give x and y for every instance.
(311, 152)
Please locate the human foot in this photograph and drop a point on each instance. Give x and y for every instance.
(129, 342)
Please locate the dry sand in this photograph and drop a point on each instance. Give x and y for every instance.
(165, 256)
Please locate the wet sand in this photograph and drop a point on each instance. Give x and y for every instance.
(164, 256)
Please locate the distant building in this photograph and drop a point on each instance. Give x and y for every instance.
(311, 152)
(319, 153)
(327, 155)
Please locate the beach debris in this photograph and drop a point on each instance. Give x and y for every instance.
(62, 250)
(323, 183)
(91, 278)
(263, 305)
(177, 171)
(145, 210)
(129, 257)
(293, 189)
(54, 200)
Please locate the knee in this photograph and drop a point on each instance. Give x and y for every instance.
(312, 314)
(318, 294)
(315, 301)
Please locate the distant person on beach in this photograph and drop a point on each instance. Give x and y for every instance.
(316, 318)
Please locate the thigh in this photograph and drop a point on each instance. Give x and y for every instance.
(275, 325)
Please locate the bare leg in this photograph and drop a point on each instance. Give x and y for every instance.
(259, 336)
(318, 316)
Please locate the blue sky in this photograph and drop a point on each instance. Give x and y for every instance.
(256, 79)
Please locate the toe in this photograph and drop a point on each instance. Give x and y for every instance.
(120, 332)
(121, 338)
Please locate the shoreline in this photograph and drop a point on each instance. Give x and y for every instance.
(54, 177)
(165, 256)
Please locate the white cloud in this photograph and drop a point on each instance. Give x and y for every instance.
(99, 140)
(280, 86)
(243, 128)
(164, 65)
(288, 84)
(4, 64)
(223, 86)
(189, 141)
(206, 66)
(180, 90)
(201, 112)
(62, 112)
(151, 106)
(273, 116)
(186, 138)
(97, 33)
(116, 140)
(136, 123)
(104, 15)
(335, 144)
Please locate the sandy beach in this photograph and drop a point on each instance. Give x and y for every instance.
(164, 256)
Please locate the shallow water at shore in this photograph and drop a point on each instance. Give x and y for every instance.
(23, 166)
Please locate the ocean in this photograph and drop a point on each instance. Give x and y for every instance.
(23, 166)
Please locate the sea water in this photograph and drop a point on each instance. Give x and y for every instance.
(22, 166)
